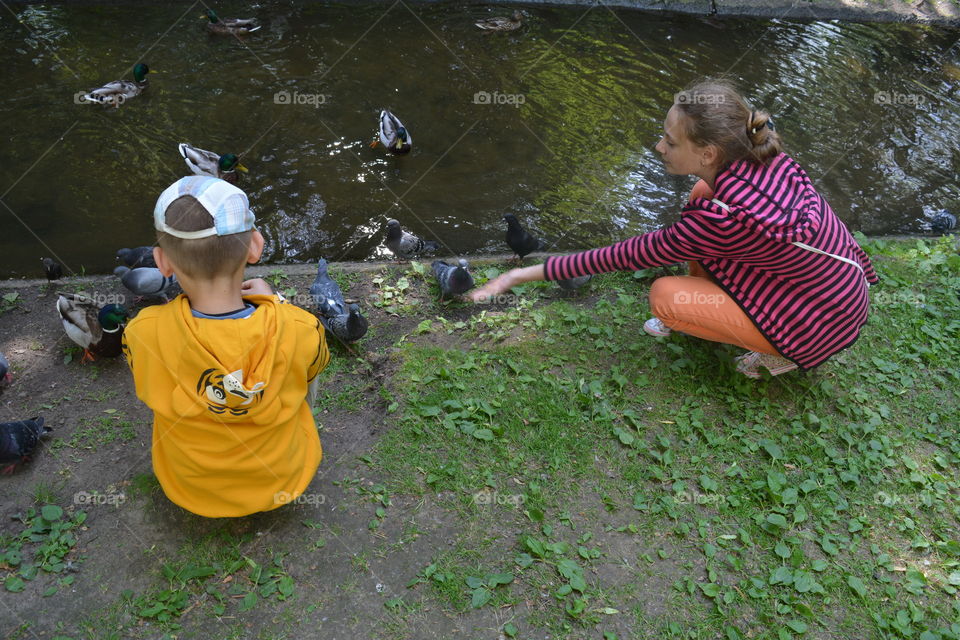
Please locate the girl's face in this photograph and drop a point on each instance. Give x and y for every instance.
(680, 155)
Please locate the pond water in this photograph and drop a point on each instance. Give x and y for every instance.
(555, 122)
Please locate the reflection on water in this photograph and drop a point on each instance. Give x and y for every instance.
(555, 122)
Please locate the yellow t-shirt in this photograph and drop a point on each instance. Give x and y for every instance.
(233, 433)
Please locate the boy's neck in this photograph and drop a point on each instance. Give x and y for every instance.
(214, 296)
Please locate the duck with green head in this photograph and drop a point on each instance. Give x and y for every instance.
(119, 91)
(229, 26)
(393, 135)
(98, 330)
(208, 163)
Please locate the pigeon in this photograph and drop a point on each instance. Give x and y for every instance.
(99, 330)
(145, 281)
(5, 377)
(943, 222)
(52, 268)
(454, 280)
(137, 257)
(393, 135)
(326, 293)
(574, 283)
(345, 323)
(348, 327)
(18, 440)
(519, 239)
(404, 244)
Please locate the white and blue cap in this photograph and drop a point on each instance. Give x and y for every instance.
(227, 205)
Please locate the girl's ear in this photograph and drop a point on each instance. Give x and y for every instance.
(165, 266)
(710, 155)
(256, 247)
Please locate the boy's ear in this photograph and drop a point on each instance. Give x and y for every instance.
(256, 247)
(165, 266)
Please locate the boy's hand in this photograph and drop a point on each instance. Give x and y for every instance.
(257, 286)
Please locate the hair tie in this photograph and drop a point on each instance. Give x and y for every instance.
(753, 130)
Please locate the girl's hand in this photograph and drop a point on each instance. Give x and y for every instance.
(257, 286)
(493, 288)
(505, 281)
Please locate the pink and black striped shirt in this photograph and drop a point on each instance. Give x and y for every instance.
(809, 306)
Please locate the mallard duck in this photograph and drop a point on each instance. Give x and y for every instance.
(119, 91)
(208, 163)
(393, 134)
(229, 26)
(502, 24)
(98, 330)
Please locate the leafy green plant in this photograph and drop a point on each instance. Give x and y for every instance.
(42, 546)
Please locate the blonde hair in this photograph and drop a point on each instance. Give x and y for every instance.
(715, 113)
(201, 257)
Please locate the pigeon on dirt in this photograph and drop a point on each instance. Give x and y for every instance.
(346, 323)
(137, 257)
(5, 377)
(519, 239)
(18, 440)
(145, 281)
(404, 244)
(52, 269)
(572, 284)
(454, 279)
(348, 327)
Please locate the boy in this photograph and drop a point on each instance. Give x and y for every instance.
(225, 366)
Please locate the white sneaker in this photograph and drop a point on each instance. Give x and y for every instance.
(749, 364)
(655, 327)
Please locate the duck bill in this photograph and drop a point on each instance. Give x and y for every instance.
(242, 168)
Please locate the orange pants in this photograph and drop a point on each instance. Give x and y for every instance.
(697, 306)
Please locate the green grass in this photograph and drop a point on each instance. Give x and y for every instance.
(791, 507)
(593, 482)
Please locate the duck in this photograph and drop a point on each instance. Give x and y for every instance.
(229, 26)
(393, 135)
(208, 163)
(98, 330)
(119, 91)
(502, 24)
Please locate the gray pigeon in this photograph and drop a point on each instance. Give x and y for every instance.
(404, 244)
(943, 222)
(5, 377)
(52, 269)
(348, 327)
(326, 293)
(18, 440)
(454, 280)
(574, 283)
(145, 281)
(136, 257)
(345, 323)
